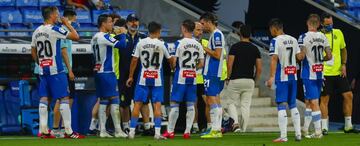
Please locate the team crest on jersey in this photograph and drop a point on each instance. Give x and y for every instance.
(217, 41)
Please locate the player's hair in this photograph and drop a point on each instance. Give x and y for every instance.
(47, 11)
(208, 16)
(121, 23)
(189, 25)
(102, 18)
(325, 16)
(69, 13)
(245, 31)
(154, 27)
(237, 25)
(314, 20)
(276, 23)
(114, 15)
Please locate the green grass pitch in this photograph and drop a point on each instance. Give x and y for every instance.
(247, 139)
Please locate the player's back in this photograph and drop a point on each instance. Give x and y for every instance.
(102, 44)
(188, 51)
(46, 39)
(151, 52)
(286, 47)
(314, 44)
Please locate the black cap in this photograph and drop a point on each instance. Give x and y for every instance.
(132, 17)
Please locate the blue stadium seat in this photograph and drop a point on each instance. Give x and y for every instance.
(7, 3)
(27, 3)
(30, 120)
(11, 17)
(2, 110)
(24, 93)
(1, 32)
(18, 27)
(87, 27)
(83, 16)
(12, 111)
(353, 3)
(49, 3)
(96, 13)
(125, 13)
(32, 16)
(35, 98)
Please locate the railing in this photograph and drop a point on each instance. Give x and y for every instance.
(328, 5)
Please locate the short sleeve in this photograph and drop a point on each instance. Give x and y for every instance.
(273, 47)
(201, 52)
(59, 32)
(166, 52)
(33, 41)
(233, 50)
(136, 52)
(297, 48)
(63, 43)
(173, 49)
(258, 54)
(342, 40)
(301, 40)
(218, 40)
(109, 41)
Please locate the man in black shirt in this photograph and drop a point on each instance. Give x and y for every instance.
(243, 58)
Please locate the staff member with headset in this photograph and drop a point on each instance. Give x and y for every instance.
(335, 76)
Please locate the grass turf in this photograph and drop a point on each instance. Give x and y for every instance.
(248, 139)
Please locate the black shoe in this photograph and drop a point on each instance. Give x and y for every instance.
(127, 130)
(149, 132)
(352, 130)
(325, 132)
(94, 132)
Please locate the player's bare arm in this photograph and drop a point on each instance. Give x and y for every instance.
(230, 62)
(172, 62)
(273, 63)
(33, 54)
(200, 64)
(300, 56)
(343, 62)
(328, 55)
(73, 35)
(67, 63)
(133, 65)
(258, 66)
(216, 54)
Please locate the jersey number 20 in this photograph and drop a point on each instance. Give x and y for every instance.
(44, 49)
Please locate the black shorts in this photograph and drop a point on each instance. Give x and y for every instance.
(200, 91)
(126, 94)
(335, 84)
(71, 87)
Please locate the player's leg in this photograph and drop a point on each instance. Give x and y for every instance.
(328, 87)
(295, 115)
(145, 113)
(115, 114)
(307, 114)
(126, 96)
(157, 98)
(140, 96)
(207, 113)
(344, 88)
(282, 92)
(43, 107)
(94, 117)
(175, 98)
(190, 98)
(312, 90)
(56, 120)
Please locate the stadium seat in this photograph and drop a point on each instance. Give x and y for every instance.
(1, 32)
(18, 27)
(125, 13)
(32, 16)
(12, 111)
(87, 27)
(4, 3)
(11, 17)
(30, 120)
(24, 93)
(27, 3)
(83, 17)
(49, 3)
(35, 98)
(353, 3)
(96, 13)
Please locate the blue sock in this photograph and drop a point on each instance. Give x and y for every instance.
(157, 121)
(133, 122)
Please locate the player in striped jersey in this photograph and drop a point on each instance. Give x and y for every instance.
(213, 71)
(105, 79)
(46, 51)
(312, 45)
(151, 52)
(189, 56)
(284, 51)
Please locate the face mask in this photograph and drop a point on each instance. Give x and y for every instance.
(328, 28)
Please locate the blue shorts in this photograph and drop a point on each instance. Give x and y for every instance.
(312, 88)
(212, 85)
(55, 86)
(183, 92)
(105, 84)
(286, 92)
(142, 93)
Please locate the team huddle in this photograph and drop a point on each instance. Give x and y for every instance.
(189, 59)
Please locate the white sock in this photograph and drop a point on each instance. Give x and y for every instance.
(307, 119)
(173, 116)
(157, 131)
(196, 125)
(132, 131)
(93, 124)
(43, 115)
(102, 117)
(282, 121)
(233, 113)
(163, 111)
(190, 115)
(126, 125)
(66, 116)
(348, 123)
(219, 120)
(115, 114)
(214, 116)
(316, 120)
(325, 124)
(295, 116)
(147, 126)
